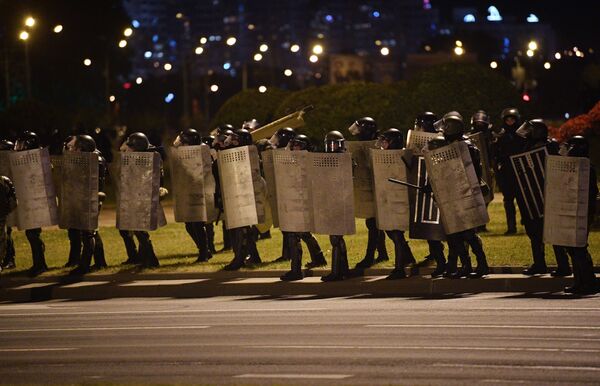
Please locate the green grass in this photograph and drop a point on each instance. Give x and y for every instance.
(177, 253)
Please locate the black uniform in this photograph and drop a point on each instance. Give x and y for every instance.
(8, 202)
(8, 256)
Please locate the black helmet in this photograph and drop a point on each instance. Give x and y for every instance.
(578, 146)
(424, 122)
(189, 137)
(300, 142)
(364, 128)
(437, 142)
(138, 142)
(334, 142)
(85, 143)
(480, 121)
(241, 136)
(534, 129)
(222, 132)
(511, 112)
(393, 137)
(282, 137)
(452, 126)
(251, 125)
(27, 141)
(208, 140)
(5, 144)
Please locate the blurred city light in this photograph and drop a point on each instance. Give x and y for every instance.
(123, 43)
(214, 88)
(24, 35)
(494, 64)
(135, 24)
(87, 62)
(459, 51)
(532, 18)
(295, 48)
(199, 50)
(526, 97)
(231, 41)
(167, 66)
(139, 80)
(458, 43)
(111, 98)
(29, 21)
(530, 53)
(258, 57)
(494, 14)
(469, 18)
(547, 65)
(127, 32)
(532, 45)
(557, 56)
(263, 48)
(226, 66)
(287, 72)
(314, 58)
(384, 51)
(262, 89)
(58, 29)
(317, 49)
(203, 40)
(169, 98)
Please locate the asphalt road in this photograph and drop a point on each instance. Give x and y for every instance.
(490, 338)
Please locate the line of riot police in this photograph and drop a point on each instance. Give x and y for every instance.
(443, 176)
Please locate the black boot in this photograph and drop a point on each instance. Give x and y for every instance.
(317, 261)
(372, 243)
(148, 257)
(511, 216)
(477, 248)
(382, 254)
(239, 250)
(210, 237)
(338, 265)
(132, 251)
(9, 260)
(37, 252)
(99, 258)
(74, 247)
(87, 239)
(562, 262)
(295, 250)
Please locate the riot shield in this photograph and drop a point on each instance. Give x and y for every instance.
(392, 209)
(56, 162)
(416, 140)
(36, 195)
(293, 190)
(259, 185)
(529, 172)
(269, 173)
(78, 205)
(425, 216)
(239, 171)
(486, 167)
(331, 190)
(364, 200)
(456, 188)
(11, 220)
(192, 183)
(138, 183)
(566, 201)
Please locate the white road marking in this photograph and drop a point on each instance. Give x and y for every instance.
(255, 280)
(170, 312)
(139, 283)
(295, 376)
(84, 284)
(104, 328)
(37, 349)
(527, 367)
(542, 327)
(33, 285)
(439, 348)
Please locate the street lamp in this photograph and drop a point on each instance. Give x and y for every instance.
(532, 45)
(24, 36)
(231, 41)
(128, 32)
(214, 88)
(257, 57)
(262, 89)
(199, 50)
(317, 49)
(295, 48)
(58, 28)
(139, 80)
(557, 56)
(494, 64)
(29, 21)
(263, 48)
(167, 66)
(530, 53)
(87, 62)
(459, 51)
(313, 58)
(547, 65)
(287, 72)
(384, 51)
(123, 43)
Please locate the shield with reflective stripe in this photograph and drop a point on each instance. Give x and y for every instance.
(486, 169)
(530, 175)
(425, 216)
(78, 203)
(36, 196)
(392, 207)
(416, 140)
(566, 201)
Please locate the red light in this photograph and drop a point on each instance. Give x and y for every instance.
(526, 98)
(126, 85)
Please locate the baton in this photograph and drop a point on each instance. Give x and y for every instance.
(395, 181)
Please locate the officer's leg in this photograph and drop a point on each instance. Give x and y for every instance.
(382, 254)
(237, 242)
(227, 242)
(338, 249)
(508, 192)
(456, 242)
(147, 256)
(372, 237)
(534, 230)
(99, 258)
(476, 245)
(436, 251)
(87, 240)
(75, 247)
(401, 252)
(317, 259)
(132, 251)
(9, 258)
(205, 253)
(3, 239)
(37, 251)
(191, 231)
(585, 281)
(251, 250)
(294, 251)
(284, 255)
(562, 262)
(210, 237)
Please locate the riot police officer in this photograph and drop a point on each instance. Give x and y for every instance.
(29, 141)
(8, 202)
(242, 238)
(365, 129)
(389, 140)
(251, 125)
(8, 257)
(585, 281)
(145, 256)
(196, 229)
(452, 126)
(480, 123)
(90, 240)
(534, 135)
(334, 143)
(221, 134)
(507, 143)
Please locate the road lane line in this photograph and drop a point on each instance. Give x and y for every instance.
(525, 367)
(104, 328)
(541, 327)
(295, 376)
(166, 282)
(37, 349)
(170, 312)
(439, 348)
